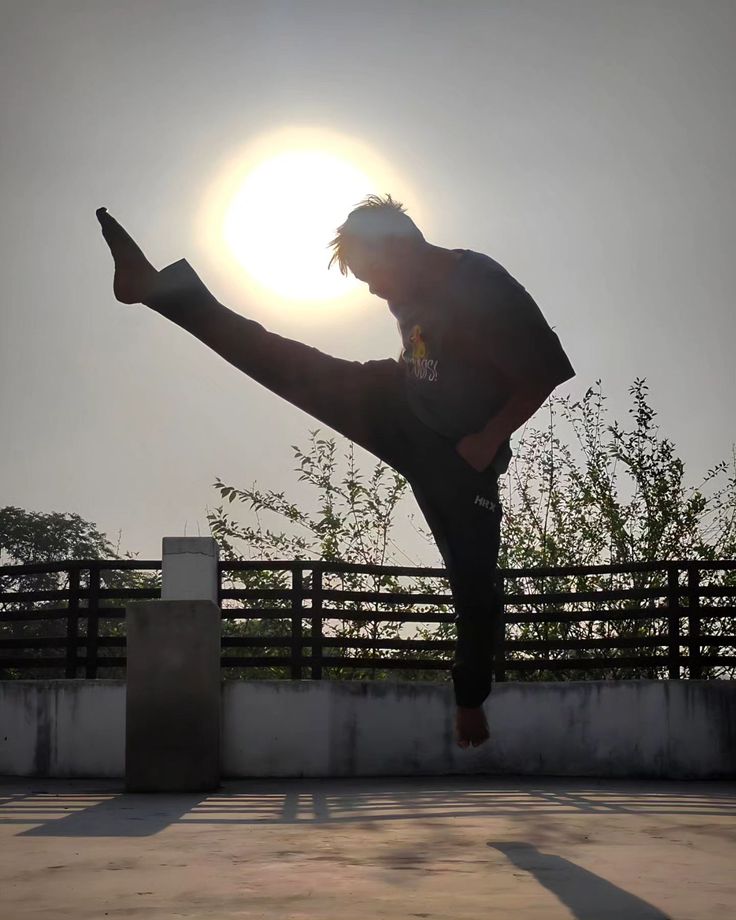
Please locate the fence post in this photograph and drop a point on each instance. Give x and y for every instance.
(673, 613)
(173, 692)
(694, 624)
(297, 587)
(72, 624)
(499, 651)
(316, 624)
(93, 623)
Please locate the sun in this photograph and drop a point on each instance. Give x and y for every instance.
(279, 203)
(283, 216)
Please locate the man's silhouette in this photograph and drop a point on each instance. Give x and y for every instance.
(478, 360)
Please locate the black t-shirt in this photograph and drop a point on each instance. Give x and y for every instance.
(468, 343)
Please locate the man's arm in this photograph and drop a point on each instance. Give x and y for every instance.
(480, 448)
(529, 357)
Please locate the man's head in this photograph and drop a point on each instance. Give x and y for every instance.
(381, 245)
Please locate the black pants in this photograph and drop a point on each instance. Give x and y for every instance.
(366, 402)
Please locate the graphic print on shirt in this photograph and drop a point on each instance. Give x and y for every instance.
(422, 366)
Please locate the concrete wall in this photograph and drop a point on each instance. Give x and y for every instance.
(676, 729)
(62, 727)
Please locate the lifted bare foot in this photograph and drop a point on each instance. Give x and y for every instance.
(471, 727)
(135, 277)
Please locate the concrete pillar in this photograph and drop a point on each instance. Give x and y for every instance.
(172, 734)
(189, 569)
(172, 731)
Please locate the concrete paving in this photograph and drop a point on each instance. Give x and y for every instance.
(479, 847)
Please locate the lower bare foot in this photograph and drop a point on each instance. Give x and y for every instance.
(471, 726)
(135, 277)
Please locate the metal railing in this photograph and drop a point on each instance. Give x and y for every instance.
(672, 619)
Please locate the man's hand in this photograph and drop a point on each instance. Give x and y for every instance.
(479, 449)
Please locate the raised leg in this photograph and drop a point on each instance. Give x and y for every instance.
(363, 401)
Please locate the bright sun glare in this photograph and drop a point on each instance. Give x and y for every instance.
(283, 216)
(281, 203)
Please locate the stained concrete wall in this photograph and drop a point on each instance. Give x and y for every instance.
(62, 727)
(638, 728)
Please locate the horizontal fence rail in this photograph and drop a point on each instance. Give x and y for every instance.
(298, 619)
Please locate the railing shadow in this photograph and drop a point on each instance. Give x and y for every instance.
(536, 805)
(95, 814)
(81, 809)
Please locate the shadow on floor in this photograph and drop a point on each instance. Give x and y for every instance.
(586, 895)
(59, 808)
(88, 809)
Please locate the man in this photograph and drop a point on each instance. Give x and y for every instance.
(478, 360)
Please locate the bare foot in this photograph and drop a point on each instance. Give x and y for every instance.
(135, 277)
(471, 727)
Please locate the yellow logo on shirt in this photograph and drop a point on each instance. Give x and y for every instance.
(418, 345)
(422, 367)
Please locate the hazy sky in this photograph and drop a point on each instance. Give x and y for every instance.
(588, 146)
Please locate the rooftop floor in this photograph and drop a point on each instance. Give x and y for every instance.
(479, 847)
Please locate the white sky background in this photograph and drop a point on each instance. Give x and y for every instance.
(588, 146)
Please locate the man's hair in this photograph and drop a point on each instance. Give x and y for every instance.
(375, 218)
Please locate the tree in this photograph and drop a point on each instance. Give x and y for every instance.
(595, 493)
(28, 537)
(613, 494)
(565, 503)
(352, 523)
